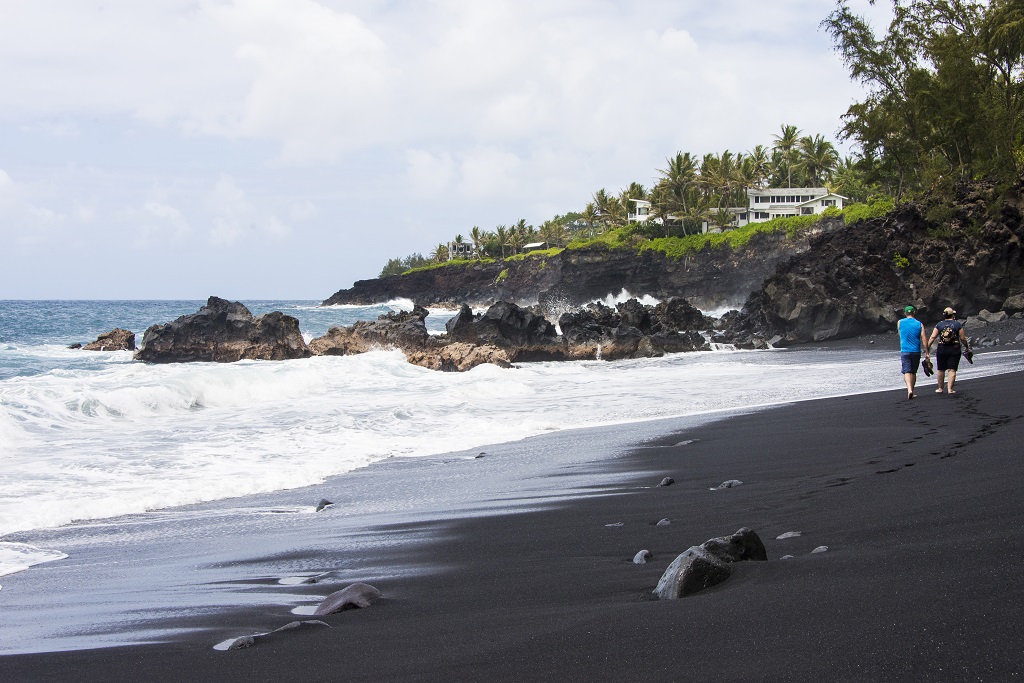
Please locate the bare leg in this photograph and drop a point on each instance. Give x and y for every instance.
(952, 378)
(911, 379)
(941, 375)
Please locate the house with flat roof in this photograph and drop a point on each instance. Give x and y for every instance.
(779, 202)
(640, 211)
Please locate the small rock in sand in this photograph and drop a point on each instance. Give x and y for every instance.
(616, 524)
(787, 557)
(726, 485)
(324, 503)
(356, 596)
(241, 643)
(788, 534)
(667, 481)
(642, 557)
(292, 625)
(664, 522)
(820, 549)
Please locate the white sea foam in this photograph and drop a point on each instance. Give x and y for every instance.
(612, 300)
(116, 437)
(16, 557)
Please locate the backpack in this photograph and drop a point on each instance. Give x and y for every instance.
(948, 335)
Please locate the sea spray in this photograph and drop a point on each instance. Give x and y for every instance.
(95, 435)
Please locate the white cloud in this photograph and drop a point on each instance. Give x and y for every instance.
(235, 216)
(222, 123)
(303, 210)
(429, 175)
(489, 172)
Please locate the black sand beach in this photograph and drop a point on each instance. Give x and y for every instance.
(917, 502)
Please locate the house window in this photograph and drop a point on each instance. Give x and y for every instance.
(828, 202)
(743, 216)
(760, 215)
(806, 210)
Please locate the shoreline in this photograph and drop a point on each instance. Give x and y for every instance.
(914, 499)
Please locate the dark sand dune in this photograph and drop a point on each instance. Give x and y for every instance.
(918, 503)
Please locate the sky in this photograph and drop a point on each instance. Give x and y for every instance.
(283, 149)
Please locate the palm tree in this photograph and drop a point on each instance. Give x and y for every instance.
(477, 235)
(786, 143)
(553, 232)
(760, 166)
(721, 218)
(609, 208)
(502, 233)
(817, 158)
(440, 253)
(590, 217)
(514, 239)
(678, 178)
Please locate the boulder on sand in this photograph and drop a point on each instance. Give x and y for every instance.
(706, 565)
(223, 332)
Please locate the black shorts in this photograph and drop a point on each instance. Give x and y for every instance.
(947, 357)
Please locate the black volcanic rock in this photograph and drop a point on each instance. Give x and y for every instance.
(223, 332)
(714, 278)
(507, 326)
(967, 256)
(115, 340)
(404, 330)
(632, 330)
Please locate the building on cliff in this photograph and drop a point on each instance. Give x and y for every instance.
(762, 205)
(781, 202)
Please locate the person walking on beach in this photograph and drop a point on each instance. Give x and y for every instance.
(949, 333)
(912, 343)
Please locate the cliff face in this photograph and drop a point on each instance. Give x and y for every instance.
(711, 279)
(963, 251)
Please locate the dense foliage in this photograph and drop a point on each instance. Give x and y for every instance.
(945, 102)
(945, 92)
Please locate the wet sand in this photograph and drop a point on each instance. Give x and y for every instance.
(917, 501)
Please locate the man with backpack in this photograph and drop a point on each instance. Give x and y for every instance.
(950, 335)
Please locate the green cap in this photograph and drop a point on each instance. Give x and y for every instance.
(909, 309)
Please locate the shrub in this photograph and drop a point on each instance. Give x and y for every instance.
(900, 261)
(677, 247)
(502, 276)
(457, 263)
(876, 206)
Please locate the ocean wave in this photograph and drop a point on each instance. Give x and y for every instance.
(127, 437)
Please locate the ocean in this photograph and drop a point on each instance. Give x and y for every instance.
(88, 436)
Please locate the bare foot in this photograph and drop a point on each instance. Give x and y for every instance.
(951, 391)
(938, 391)
(911, 394)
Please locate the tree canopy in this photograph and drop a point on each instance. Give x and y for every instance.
(945, 95)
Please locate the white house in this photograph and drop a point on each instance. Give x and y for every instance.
(640, 211)
(460, 250)
(778, 202)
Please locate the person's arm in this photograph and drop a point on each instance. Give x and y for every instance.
(924, 342)
(931, 340)
(963, 338)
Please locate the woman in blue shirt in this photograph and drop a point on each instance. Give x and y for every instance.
(912, 343)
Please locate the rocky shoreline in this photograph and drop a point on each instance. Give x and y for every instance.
(223, 331)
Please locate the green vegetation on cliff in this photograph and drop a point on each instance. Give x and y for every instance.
(944, 104)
